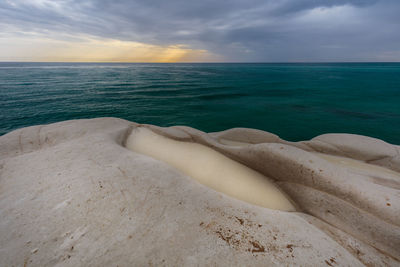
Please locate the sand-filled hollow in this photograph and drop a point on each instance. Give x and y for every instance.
(210, 168)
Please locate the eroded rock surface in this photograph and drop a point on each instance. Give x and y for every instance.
(71, 194)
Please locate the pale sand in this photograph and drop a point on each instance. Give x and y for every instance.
(210, 168)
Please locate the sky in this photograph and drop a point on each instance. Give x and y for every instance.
(200, 30)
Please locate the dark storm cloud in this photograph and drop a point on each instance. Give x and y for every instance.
(246, 30)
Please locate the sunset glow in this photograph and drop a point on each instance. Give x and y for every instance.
(95, 50)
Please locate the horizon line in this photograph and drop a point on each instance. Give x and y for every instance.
(194, 62)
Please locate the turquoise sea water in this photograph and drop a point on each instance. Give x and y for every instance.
(295, 101)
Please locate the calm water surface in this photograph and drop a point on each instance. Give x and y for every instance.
(295, 101)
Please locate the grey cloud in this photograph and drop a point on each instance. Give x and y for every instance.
(239, 30)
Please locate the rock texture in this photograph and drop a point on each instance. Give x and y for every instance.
(71, 194)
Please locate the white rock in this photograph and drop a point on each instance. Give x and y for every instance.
(71, 194)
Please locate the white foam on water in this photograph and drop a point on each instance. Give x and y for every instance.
(210, 168)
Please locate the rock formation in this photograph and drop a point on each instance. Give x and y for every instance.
(73, 194)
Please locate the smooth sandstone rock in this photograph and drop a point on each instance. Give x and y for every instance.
(210, 168)
(72, 194)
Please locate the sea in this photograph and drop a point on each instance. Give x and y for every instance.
(296, 101)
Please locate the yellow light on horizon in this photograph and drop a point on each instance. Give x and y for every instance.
(33, 48)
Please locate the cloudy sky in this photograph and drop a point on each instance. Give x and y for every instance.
(200, 30)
